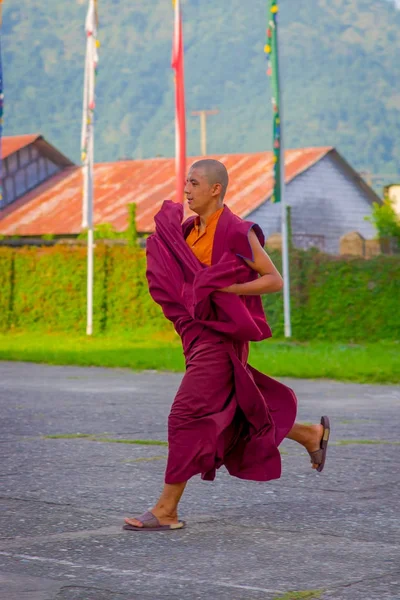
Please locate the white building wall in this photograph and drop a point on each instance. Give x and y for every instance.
(394, 195)
(325, 201)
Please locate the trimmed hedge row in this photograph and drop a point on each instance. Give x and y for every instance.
(44, 289)
(339, 299)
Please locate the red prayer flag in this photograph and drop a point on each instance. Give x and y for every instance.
(180, 117)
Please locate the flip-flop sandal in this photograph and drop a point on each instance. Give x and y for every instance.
(151, 523)
(319, 456)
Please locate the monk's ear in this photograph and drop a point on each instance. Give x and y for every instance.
(217, 189)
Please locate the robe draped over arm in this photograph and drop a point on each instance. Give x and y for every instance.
(225, 411)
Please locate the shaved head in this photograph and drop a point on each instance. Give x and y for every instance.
(215, 172)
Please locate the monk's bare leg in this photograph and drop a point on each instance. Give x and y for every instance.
(309, 436)
(166, 509)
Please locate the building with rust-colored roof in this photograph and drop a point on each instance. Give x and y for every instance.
(27, 161)
(327, 197)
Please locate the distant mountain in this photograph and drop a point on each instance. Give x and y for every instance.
(340, 68)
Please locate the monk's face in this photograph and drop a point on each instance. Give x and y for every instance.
(199, 193)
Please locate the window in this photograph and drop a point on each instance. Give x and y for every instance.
(12, 164)
(24, 156)
(18, 181)
(8, 190)
(34, 153)
(32, 175)
(42, 169)
(20, 185)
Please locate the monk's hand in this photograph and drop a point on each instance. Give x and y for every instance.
(231, 289)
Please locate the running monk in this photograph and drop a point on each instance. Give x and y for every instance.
(208, 276)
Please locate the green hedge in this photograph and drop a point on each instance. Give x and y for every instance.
(6, 287)
(44, 289)
(128, 302)
(339, 299)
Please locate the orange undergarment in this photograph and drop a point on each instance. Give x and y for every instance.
(201, 244)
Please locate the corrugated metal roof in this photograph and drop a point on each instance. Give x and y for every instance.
(17, 142)
(56, 206)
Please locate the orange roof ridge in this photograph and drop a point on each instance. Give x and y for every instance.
(11, 144)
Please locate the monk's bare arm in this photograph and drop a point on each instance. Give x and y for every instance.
(270, 279)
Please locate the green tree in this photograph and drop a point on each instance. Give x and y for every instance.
(386, 220)
(132, 231)
(104, 231)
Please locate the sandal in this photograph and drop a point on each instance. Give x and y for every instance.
(319, 456)
(151, 523)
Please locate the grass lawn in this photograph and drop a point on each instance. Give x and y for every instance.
(366, 363)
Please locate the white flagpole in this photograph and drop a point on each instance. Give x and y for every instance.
(285, 255)
(84, 143)
(177, 8)
(88, 149)
(285, 233)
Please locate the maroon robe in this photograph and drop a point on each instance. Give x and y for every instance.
(225, 411)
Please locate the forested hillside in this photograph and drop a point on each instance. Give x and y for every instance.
(340, 66)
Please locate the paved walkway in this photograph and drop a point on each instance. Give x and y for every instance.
(63, 500)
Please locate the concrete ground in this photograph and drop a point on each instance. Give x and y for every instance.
(63, 500)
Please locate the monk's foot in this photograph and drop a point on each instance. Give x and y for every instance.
(313, 442)
(165, 517)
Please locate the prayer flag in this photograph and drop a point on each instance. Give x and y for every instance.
(271, 49)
